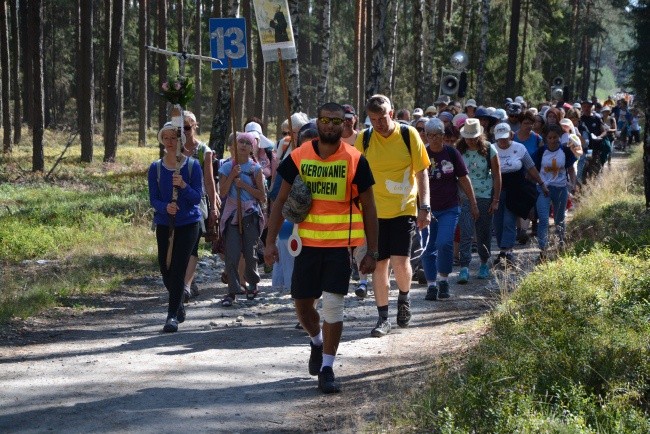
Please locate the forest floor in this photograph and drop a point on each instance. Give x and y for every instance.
(103, 364)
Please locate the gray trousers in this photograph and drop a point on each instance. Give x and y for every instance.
(482, 227)
(245, 243)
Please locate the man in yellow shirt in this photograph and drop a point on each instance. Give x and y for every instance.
(398, 160)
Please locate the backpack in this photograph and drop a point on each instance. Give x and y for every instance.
(403, 129)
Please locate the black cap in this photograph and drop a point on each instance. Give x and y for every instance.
(349, 109)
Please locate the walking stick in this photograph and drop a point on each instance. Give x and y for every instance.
(285, 92)
(234, 138)
(177, 120)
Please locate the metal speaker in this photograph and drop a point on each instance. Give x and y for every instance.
(449, 85)
(558, 81)
(557, 93)
(459, 60)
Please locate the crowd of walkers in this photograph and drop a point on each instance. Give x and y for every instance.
(409, 194)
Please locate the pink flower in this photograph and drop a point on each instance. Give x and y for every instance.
(177, 86)
(165, 86)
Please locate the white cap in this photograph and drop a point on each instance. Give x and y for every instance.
(418, 112)
(502, 131)
(471, 103)
(256, 129)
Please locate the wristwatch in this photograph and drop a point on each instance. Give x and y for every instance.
(426, 208)
(374, 255)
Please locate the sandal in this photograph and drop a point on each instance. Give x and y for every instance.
(250, 295)
(227, 301)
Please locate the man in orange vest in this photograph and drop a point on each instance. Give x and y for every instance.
(339, 178)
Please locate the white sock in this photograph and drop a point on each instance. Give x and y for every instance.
(187, 287)
(318, 339)
(442, 278)
(328, 360)
(364, 281)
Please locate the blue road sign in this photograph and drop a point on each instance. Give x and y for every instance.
(228, 41)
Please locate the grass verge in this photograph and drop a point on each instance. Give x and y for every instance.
(568, 351)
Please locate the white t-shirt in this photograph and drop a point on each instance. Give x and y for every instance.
(553, 169)
(514, 158)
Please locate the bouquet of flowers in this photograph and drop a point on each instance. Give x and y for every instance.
(178, 91)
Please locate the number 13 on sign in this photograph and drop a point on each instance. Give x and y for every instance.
(228, 41)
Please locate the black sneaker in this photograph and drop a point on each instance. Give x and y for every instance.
(522, 237)
(326, 381)
(180, 315)
(171, 325)
(315, 358)
(443, 289)
(361, 290)
(403, 313)
(432, 292)
(194, 289)
(186, 296)
(381, 329)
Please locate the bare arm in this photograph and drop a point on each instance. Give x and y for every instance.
(496, 183)
(208, 180)
(370, 225)
(424, 217)
(466, 185)
(275, 223)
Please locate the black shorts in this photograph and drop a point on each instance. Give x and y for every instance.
(319, 269)
(395, 236)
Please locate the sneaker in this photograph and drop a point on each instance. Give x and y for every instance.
(194, 289)
(510, 259)
(180, 315)
(381, 329)
(171, 325)
(422, 279)
(355, 271)
(403, 313)
(361, 290)
(315, 358)
(483, 272)
(186, 296)
(326, 381)
(432, 292)
(522, 237)
(443, 289)
(463, 275)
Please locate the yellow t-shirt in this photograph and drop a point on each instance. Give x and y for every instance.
(394, 171)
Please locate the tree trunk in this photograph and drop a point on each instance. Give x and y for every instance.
(108, 20)
(113, 79)
(6, 82)
(143, 76)
(162, 64)
(513, 44)
(574, 51)
(485, 27)
(294, 70)
(222, 119)
(378, 49)
(391, 48)
(468, 12)
(522, 63)
(260, 68)
(35, 44)
(358, 56)
(86, 102)
(324, 49)
(14, 70)
(367, 47)
(198, 83)
(28, 67)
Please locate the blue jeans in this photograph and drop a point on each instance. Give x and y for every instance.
(558, 197)
(438, 239)
(581, 166)
(482, 227)
(504, 222)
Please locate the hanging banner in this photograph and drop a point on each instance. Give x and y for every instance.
(228, 41)
(274, 25)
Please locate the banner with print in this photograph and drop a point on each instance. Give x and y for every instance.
(274, 25)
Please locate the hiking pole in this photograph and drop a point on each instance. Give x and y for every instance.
(234, 138)
(177, 120)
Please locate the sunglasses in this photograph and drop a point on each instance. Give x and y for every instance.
(286, 133)
(188, 127)
(419, 129)
(326, 120)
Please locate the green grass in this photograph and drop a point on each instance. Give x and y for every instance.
(569, 350)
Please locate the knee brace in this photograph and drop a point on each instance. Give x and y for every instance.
(332, 311)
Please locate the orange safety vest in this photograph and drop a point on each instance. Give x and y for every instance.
(334, 220)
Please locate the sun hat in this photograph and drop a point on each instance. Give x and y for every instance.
(167, 126)
(520, 100)
(189, 114)
(514, 109)
(481, 112)
(442, 99)
(256, 130)
(502, 131)
(446, 116)
(566, 122)
(500, 114)
(470, 103)
(471, 129)
(434, 125)
(418, 112)
(606, 108)
(298, 203)
(431, 110)
(459, 120)
(298, 120)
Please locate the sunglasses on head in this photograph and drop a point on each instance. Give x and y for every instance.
(326, 120)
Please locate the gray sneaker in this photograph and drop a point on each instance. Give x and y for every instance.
(443, 289)
(381, 329)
